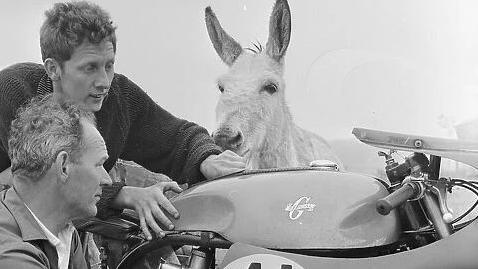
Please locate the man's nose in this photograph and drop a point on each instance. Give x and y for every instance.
(105, 179)
(102, 80)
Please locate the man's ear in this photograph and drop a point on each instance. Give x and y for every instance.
(52, 68)
(63, 165)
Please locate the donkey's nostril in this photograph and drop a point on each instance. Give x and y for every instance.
(236, 141)
(220, 139)
(227, 140)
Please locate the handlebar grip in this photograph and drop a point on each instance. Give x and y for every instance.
(396, 198)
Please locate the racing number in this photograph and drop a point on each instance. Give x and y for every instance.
(260, 261)
(256, 265)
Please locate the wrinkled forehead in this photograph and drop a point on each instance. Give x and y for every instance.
(253, 67)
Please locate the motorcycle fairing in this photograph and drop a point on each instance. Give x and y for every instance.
(458, 150)
(457, 251)
(290, 210)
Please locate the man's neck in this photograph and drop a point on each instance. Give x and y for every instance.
(42, 201)
(57, 96)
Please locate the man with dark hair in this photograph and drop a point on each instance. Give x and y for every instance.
(57, 158)
(78, 46)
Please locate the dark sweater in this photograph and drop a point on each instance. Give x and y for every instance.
(133, 126)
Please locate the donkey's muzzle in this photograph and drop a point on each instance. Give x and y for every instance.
(228, 139)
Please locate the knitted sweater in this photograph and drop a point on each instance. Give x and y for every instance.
(133, 126)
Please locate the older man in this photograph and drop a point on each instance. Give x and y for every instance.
(57, 158)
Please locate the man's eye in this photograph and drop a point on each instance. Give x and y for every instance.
(109, 67)
(90, 68)
(221, 88)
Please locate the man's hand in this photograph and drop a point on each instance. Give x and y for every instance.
(150, 204)
(223, 164)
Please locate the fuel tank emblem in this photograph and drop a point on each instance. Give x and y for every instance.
(296, 209)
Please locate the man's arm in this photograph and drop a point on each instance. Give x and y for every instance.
(161, 142)
(5, 118)
(15, 88)
(5, 169)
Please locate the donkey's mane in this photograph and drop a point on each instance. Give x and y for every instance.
(257, 47)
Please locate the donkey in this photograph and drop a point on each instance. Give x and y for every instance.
(252, 116)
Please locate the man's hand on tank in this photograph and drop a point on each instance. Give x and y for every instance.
(223, 164)
(150, 204)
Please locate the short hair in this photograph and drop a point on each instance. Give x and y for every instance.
(41, 130)
(67, 25)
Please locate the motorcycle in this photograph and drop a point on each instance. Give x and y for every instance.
(319, 217)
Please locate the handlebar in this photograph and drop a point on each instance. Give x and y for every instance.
(398, 197)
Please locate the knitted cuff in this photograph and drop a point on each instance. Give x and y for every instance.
(193, 172)
(104, 205)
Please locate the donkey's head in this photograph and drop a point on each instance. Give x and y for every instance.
(252, 91)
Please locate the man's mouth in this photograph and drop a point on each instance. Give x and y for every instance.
(99, 95)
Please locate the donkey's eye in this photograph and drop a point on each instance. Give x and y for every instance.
(270, 88)
(221, 89)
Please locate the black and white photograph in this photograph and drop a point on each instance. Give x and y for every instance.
(238, 134)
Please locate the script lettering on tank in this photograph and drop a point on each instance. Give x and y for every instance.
(297, 208)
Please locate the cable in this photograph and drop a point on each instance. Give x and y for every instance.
(469, 186)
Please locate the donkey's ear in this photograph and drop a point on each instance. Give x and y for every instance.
(279, 30)
(226, 47)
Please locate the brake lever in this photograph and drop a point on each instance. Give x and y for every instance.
(439, 188)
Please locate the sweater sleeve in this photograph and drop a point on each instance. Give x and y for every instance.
(4, 160)
(12, 95)
(164, 143)
(108, 194)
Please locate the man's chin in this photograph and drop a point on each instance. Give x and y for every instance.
(95, 107)
(91, 211)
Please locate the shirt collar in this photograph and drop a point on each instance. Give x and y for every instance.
(54, 240)
(29, 228)
(62, 242)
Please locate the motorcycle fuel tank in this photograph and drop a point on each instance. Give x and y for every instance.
(292, 209)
